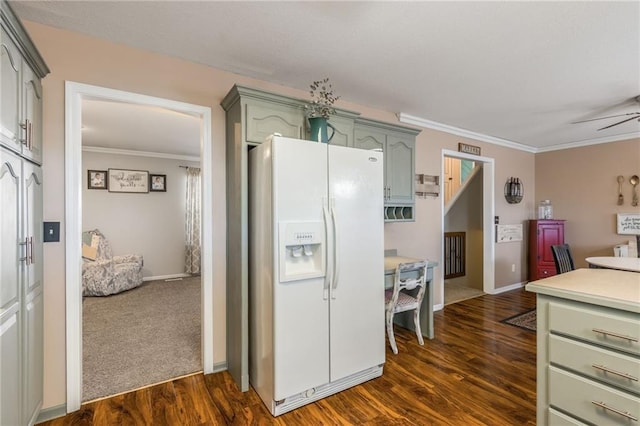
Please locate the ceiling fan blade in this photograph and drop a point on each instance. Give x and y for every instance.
(620, 122)
(602, 118)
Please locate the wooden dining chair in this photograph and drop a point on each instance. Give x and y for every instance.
(407, 294)
(562, 258)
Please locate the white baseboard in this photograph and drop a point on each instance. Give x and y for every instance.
(52, 413)
(508, 288)
(166, 277)
(220, 366)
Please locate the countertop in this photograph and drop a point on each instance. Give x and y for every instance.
(622, 263)
(391, 262)
(605, 287)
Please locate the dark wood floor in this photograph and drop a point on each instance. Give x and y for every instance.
(477, 371)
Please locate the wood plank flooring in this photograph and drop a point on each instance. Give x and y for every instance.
(477, 371)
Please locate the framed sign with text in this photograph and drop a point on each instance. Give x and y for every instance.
(468, 149)
(628, 224)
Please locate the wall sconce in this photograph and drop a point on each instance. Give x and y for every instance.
(513, 190)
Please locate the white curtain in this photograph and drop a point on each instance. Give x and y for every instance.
(192, 222)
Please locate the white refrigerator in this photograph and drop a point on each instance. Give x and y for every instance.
(316, 270)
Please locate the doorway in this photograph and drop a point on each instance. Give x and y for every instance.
(479, 236)
(75, 93)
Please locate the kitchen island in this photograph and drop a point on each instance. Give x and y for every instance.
(588, 347)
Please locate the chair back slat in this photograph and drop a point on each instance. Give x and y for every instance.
(409, 276)
(562, 258)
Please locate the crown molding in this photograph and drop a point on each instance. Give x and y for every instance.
(587, 142)
(130, 152)
(417, 121)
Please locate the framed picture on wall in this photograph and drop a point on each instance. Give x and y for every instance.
(121, 180)
(158, 183)
(97, 179)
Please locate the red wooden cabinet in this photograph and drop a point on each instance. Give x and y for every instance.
(542, 235)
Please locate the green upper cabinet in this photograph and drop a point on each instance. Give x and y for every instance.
(11, 66)
(266, 118)
(32, 114)
(398, 144)
(21, 69)
(400, 168)
(367, 137)
(260, 114)
(343, 129)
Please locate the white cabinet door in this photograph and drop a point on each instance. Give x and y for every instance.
(10, 64)
(10, 291)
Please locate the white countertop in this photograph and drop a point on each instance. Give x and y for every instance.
(605, 287)
(621, 263)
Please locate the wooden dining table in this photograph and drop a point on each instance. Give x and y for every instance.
(426, 310)
(610, 262)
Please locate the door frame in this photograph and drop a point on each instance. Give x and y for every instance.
(488, 211)
(74, 93)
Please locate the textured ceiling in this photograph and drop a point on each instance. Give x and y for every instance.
(520, 72)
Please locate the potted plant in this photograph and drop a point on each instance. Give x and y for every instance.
(320, 108)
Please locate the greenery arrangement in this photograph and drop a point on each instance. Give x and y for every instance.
(322, 99)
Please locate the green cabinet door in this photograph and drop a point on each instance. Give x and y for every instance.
(32, 114)
(369, 138)
(10, 66)
(400, 168)
(343, 131)
(264, 119)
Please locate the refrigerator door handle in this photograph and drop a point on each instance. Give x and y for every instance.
(336, 263)
(327, 274)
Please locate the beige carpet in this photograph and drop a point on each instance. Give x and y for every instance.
(454, 292)
(140, 337)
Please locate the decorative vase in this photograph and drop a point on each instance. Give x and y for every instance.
(318, 128)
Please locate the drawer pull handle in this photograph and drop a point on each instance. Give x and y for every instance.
(617, 373)
(612, 334)
(626, 414)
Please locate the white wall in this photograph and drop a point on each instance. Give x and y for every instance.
(149, 224)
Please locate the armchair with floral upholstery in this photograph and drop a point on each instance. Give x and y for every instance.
(108, 274)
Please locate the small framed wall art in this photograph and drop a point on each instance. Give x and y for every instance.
(158, 183)
(468, 149)
(97, 179)
(121, 180)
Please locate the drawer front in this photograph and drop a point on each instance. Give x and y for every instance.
(590, 401)
(557, 418)
(607, 366)
(546, 272)
(607, 327)
(265, 119)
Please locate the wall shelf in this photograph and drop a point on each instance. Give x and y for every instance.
(399, 213)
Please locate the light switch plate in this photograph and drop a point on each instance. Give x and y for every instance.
(51, 232)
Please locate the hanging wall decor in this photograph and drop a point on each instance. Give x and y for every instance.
(121, 180)
(513, 190)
